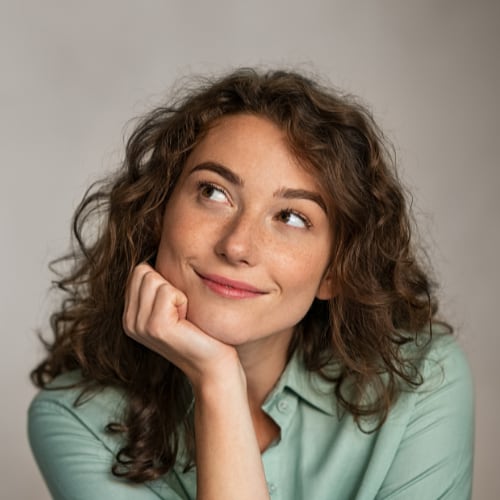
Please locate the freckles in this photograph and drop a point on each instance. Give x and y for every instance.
(179, 225)
(299, 256)
(302, 268)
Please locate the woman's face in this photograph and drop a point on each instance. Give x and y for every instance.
(245, 234)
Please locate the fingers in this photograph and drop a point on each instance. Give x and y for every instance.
(152, 304)
(155, 316)
(132, 297)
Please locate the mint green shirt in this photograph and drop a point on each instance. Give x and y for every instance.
(423, 451)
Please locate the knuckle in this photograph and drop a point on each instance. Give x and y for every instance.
(165, 289)
(167, 292)
(151, 278)
(148, 276)
(139, 270)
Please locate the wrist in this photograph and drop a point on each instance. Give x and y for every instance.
(224, 379)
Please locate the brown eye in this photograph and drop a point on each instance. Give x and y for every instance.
(212, 192)
(294, 219)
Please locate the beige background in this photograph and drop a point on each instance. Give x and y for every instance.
(74, 72)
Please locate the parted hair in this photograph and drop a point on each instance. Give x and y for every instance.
(382, 297)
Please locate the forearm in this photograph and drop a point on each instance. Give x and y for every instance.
(229, 464)
(227, 452)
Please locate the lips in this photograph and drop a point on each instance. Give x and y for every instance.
(230, 288)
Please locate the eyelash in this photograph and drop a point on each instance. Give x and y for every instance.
(201, 185)
(301, 216)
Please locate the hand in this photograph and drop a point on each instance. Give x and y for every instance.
(155, 316)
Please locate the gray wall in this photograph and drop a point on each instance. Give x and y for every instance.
(74, 72)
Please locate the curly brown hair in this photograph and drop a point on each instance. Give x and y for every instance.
(383, 298)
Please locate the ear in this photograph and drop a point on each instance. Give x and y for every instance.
(326, 289)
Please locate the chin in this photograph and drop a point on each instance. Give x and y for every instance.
(229, 332)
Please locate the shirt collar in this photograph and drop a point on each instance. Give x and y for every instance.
(311, 387)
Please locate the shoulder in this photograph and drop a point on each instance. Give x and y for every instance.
(67, 392)
(74, 451)
(64, 406)
(432, 427)
(446, 383)
(444, 369)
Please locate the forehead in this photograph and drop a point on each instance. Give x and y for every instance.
(240, 132)
(251, 143)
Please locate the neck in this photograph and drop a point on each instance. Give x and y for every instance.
(263, 363)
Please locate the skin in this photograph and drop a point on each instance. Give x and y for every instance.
(244, 213)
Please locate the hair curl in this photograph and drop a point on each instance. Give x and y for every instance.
(382, 300)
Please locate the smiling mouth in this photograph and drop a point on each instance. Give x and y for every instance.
(229, 288)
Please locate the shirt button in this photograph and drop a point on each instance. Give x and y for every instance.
(271, 487)
(283, 405)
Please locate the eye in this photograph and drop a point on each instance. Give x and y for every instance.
(212, 192)
(294, 219)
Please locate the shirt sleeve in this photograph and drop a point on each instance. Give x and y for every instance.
(434, 459)
(75, 463)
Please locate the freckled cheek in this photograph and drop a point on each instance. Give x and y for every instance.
(178, 243)
(178, 229)
(300, 270)
(181, 242)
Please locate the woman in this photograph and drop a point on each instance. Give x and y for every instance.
(250, 320)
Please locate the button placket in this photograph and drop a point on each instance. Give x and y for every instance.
(283, 405)
(271, 488)
(281, 408)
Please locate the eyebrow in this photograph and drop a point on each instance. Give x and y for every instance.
(223, 171)
(286, 193)
(303, 194)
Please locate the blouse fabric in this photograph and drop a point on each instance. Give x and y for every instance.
(423, 450)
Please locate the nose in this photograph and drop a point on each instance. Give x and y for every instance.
(237, 244)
